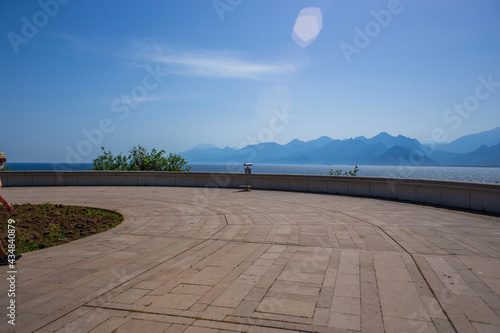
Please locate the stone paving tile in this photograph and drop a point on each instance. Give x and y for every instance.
(110, 325)
(138, 325)
(287, 307)
(398, 325)
(345, 321)
(486, 328)
(83, 320)
(261, 261)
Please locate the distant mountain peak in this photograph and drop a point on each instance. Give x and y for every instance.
(294, 142)
(382, 135)
(203, 146)
(322, 139)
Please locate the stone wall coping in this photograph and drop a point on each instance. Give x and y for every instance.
(409, 181)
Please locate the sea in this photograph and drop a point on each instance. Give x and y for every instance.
(468, 174)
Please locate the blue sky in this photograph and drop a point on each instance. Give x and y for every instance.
(78, 75)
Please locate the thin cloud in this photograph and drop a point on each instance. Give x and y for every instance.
(213, 64)
(97, 46)
(196, 63)
(169, 97)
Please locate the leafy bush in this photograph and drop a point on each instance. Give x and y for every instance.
(140, 159)
(345, 173)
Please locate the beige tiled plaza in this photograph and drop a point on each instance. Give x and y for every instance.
(220, 260)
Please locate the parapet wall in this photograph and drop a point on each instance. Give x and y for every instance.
(476, 196)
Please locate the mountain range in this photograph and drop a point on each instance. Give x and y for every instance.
(481, 149)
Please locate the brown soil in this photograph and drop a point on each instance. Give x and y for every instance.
(45, 225)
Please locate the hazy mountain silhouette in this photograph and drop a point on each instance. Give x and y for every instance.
(469, 143)
(483, 156)
(481, 149)
(403, 155)
(203, 146)
(391, 141)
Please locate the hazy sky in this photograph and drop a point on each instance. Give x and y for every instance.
(78, 75)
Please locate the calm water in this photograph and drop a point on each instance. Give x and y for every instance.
(471, 174)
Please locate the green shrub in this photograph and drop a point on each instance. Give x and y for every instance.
(345, 173)
(140, 159)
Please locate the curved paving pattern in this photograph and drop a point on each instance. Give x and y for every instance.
(220, 260)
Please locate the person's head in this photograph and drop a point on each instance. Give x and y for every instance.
(3, 159)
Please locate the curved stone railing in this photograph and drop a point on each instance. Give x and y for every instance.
(476, 196)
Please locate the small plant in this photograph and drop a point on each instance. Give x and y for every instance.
(345, 173)
(496, 182)
(5, 168)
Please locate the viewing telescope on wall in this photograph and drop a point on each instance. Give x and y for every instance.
(248, 172)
